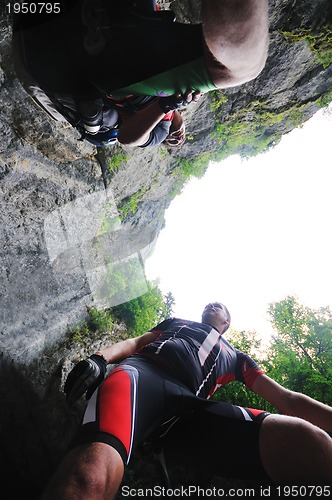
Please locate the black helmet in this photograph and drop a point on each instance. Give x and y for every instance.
(103, 139)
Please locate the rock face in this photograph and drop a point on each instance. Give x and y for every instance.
(70, 212)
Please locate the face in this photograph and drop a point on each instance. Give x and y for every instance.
(216, 315)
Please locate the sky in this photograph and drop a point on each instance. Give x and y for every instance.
(251, 232)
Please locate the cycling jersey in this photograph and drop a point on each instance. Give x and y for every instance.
(198, 356)
(192, 75)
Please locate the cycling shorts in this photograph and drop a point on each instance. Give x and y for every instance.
(138, 397)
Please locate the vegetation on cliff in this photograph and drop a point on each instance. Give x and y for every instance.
(138, 315)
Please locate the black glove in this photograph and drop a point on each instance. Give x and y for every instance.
(171, 102)
(178, 100)
(85, 377)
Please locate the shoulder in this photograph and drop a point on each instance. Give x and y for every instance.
(236, 71)
(247, 370)
(245, 360)
(172, 323)
(219, 74)
(163, 325)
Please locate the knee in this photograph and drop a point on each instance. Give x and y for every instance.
(99, 470)
(90, 478)
(295, 451)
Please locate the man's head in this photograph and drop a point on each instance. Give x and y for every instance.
(217, 315)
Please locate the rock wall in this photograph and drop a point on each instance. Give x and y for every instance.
(63, 223)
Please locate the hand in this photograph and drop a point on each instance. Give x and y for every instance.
(178, 100)
(191, 96)
(176, 137)
(85, 377)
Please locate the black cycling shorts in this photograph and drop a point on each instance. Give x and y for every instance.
(138, 397)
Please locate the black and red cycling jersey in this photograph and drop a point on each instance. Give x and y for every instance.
(199, 357)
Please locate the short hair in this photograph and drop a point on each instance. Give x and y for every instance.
(228, 316)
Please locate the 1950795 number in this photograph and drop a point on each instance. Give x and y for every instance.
(34, 8)
(303, 491)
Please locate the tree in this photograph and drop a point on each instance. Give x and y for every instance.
(145, 311)
(300, 356)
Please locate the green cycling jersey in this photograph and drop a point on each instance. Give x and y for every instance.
(192, 75)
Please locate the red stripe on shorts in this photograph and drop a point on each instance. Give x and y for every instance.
(115, 407)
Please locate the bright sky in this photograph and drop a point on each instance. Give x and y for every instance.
(251, 232)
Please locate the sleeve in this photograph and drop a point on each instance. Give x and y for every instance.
(247, 370)
(161, 327)
(169, 115)
(158, 134)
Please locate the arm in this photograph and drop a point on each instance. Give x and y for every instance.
(135, 130)
(177, 122)
(90, 372)
(121, 350)
(236, 39)
(177, 132)
(158, 134)
(294, 403)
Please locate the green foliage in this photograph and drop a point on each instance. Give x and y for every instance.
(99, 321)
(139, 315)
(190, 167)
(123, 279)
(145, 311)
(238, 394)
(164, 153)
(325, 99)
(129, 204)
(248, 342)
(218, 99)
(300, 356)
(319, 43)
(254, 129)
(118, 157)
(80, 334)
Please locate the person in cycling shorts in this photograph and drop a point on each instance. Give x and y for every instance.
(169, 375)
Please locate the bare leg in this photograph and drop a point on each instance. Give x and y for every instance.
(89, 472)
(294, 451)
(236, 37)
